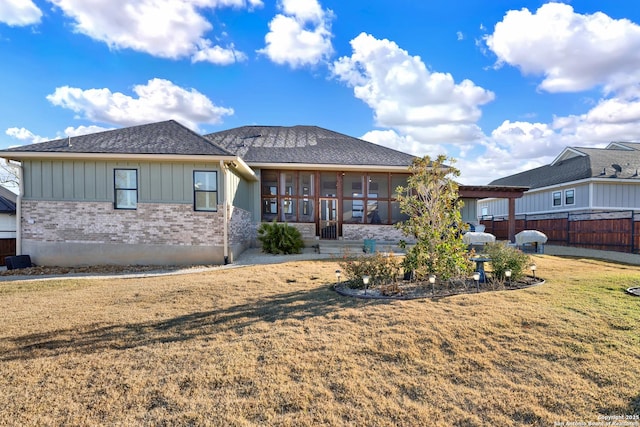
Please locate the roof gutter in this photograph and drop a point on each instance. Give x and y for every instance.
(225, 197)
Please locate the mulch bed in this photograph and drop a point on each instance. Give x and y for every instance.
(413, 290)
(93, 269)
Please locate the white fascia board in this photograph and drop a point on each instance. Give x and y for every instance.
(565, 155)
(244, 170)
(618, 146)
(346, 168)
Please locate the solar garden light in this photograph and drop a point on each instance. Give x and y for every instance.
(338, 273)
(432, 280)
(507, 274)
(476, 277)
(365, 280)
(533, 270)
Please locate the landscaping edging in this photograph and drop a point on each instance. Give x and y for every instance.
(634, 291)
(343, 290)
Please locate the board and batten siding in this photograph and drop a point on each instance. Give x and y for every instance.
(86, 180)
(241, 191)
(616, 195)
(469, 210)
(538, 202)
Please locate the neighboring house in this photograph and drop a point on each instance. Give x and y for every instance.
(585, 180)
(7, 223)
(162, 194)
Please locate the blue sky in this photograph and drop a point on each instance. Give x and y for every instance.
(501, 86)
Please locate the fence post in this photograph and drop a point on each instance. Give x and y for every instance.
(633, 234)
(568, 229)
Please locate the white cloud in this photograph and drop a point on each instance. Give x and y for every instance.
(217, 55)
(519, 146)
(404, 95)
(157, 100)
(300, 35)
(165, 28)
(405, 143)
(24, 135)
(573, 51)
(28, 137)
(84, 130)
(19, 13)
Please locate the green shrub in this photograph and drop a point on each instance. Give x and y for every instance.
(505, 258)
(381, 269)
(278, 238)
(432, 204)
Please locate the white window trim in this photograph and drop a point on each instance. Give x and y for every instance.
(553, 193)
(564, 199)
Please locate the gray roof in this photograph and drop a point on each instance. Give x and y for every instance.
(595, 163)
(305, 144)
(7, 200)
(168, 137)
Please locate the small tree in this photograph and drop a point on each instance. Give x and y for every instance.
(431, 202)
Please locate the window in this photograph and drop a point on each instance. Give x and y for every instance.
(569, 197)
(557, 198)
(125, 188)
(205, 191)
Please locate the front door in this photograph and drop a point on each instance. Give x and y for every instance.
(328, 218)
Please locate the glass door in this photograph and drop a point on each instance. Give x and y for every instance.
(328, 218)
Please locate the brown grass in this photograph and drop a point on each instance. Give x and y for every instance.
(273, 345)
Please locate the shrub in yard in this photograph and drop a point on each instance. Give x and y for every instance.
(432, 204)
(277, 238)
(505, 258)
(381, 269)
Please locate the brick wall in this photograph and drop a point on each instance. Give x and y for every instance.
(307, 230)
(372, 231)
(98, 222)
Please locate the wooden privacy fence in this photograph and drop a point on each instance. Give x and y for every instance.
(611, 231)
(7, 248)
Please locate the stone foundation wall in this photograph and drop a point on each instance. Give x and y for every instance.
(308, 230)
(242, 231)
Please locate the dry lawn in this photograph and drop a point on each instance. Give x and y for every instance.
(274, 345)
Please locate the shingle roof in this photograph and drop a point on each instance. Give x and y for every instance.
(305, 144)
(595, 163)
(7, 201)
(168, 137)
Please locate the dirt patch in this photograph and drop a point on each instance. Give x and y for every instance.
(93, 269)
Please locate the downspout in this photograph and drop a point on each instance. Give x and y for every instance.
(225, 228)
(18, 165)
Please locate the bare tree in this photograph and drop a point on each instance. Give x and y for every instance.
(9, 176)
